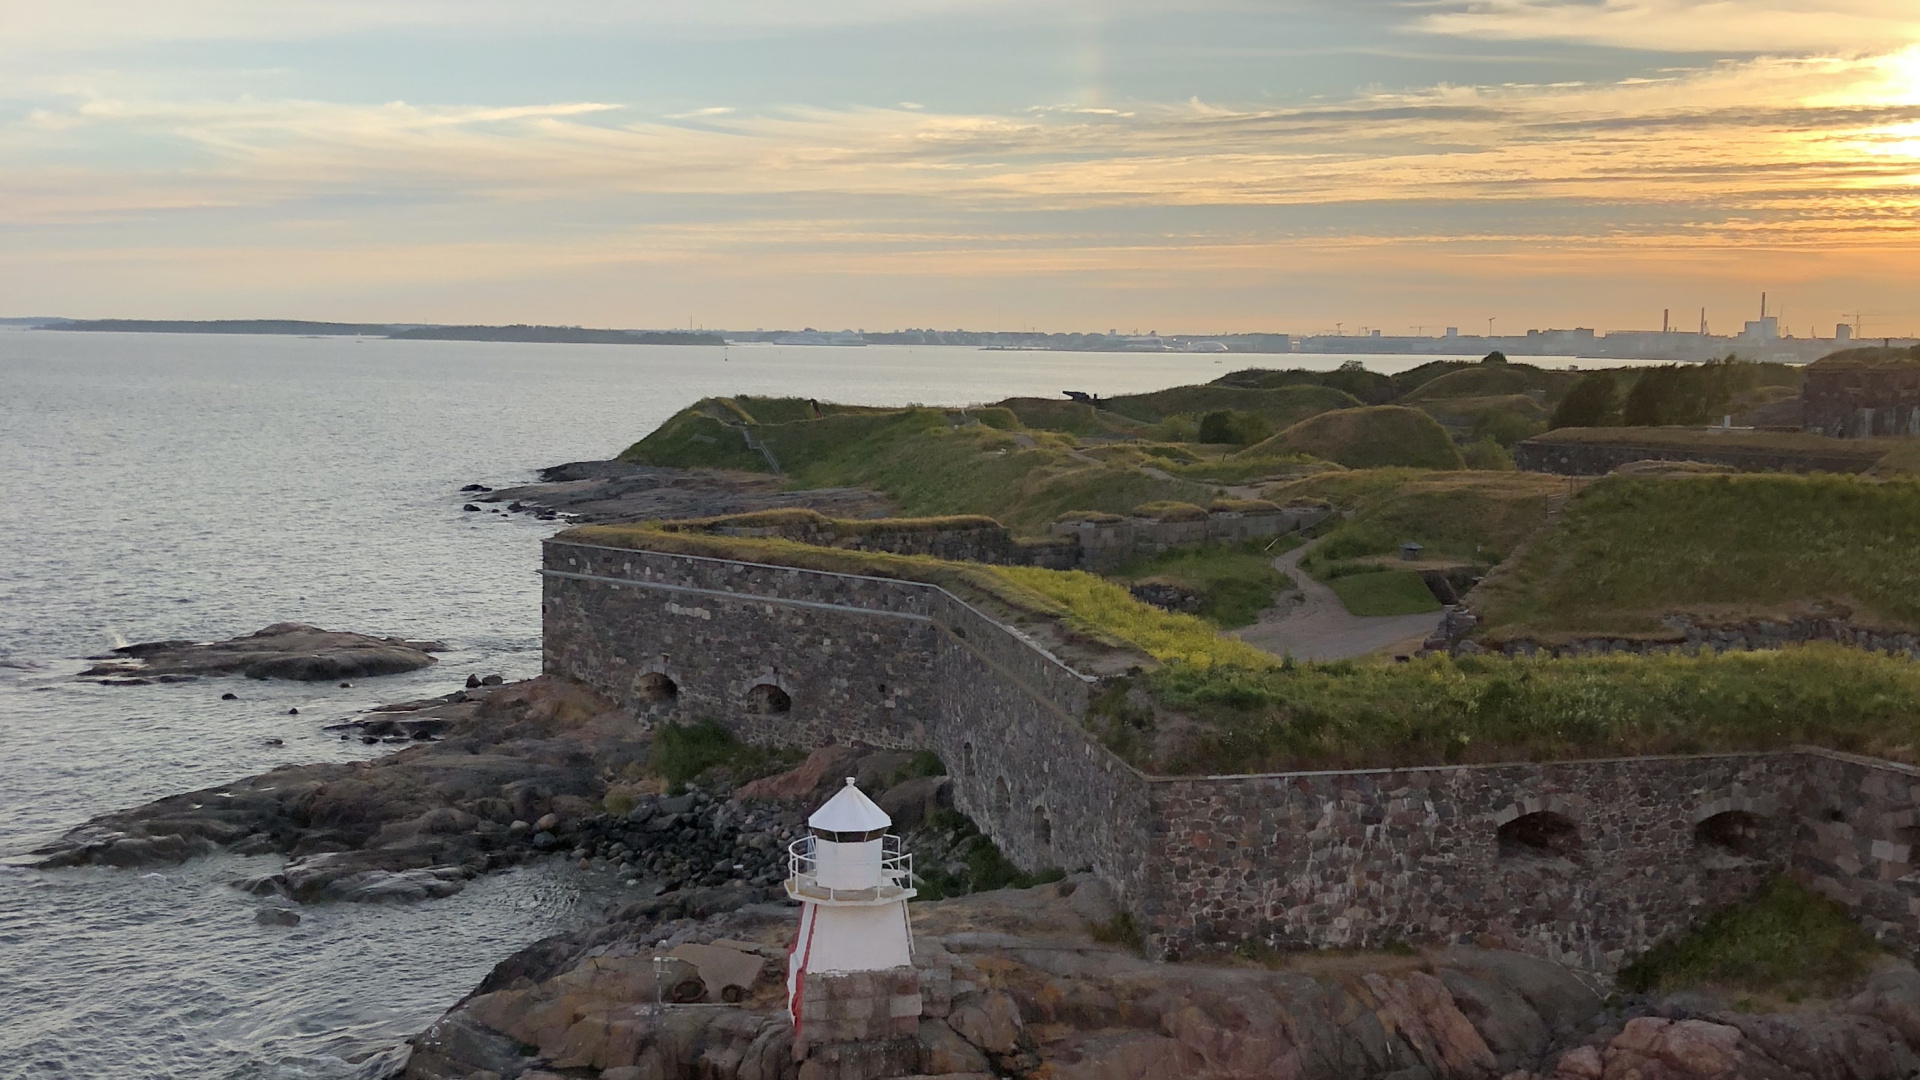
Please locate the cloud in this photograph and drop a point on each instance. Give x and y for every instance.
(1814, 156)
(1721, 27)
(92, 25)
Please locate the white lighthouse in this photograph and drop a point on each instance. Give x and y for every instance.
(853, 883)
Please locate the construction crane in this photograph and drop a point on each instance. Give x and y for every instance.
(1858, 325)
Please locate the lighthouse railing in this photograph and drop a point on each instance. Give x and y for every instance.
(896, 873)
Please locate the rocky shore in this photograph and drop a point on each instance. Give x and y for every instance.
(1031, 983)
(597, 492)
(1045, 982)
(282, 651)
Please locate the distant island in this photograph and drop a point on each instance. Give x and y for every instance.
(568, 335)
(564, 335)
(1760, 340)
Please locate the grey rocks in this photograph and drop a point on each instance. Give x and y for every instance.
(293, 651)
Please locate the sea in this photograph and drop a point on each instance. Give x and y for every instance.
(159, 486)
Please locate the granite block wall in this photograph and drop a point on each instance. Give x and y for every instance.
(1859, 839)
(1586, 862)
(1360, 859)
(781, 656)
(1596, 459)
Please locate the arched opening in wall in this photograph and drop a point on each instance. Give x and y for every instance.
(767, 699)
(1736, 832)
(1002, 798)
(1541, 834)
(966, 761)
(655, 687)
(1042, 828)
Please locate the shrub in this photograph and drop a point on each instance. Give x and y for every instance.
(1487, 455)
(1235, 427)
(682, 753)
(1784, 939)
(1589, 404)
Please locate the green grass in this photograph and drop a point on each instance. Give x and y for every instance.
(1629, 550)
(1096, 609)
(1785, 940)
(929, 461)
(1279, 406)
(1492, 380)
(1473, 517)
(686, 752)
(1236, 469)
(983, 867)
(1367, 438)
(1236, 582)
(1439, 710)
(1384, 592)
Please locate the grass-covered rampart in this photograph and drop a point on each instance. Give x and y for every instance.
(1090, 607)
(1629, 550)
(929, 461)
(1439, 710)
(1369, 437)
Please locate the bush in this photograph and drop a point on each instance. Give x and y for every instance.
(682, 753)
(1487, 455)
(1235, 427)
(1504, 428)
(1589, 404)
(1784, 939)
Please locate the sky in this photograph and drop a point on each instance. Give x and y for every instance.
(1185, 166)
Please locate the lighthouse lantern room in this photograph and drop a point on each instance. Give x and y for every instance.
(853, 883)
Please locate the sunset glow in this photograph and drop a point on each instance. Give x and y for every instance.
(1212, 184)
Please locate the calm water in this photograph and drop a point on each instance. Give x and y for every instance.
(176, 486)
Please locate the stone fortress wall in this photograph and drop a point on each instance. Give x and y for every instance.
(1587, 862)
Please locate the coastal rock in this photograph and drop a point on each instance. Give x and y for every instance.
(591, 492)
(414, 825)
(293, 651)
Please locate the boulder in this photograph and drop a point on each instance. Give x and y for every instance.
(908, 802)
(943, 1051)
(990, 1021)
(1893, 998)
(282, 651)
(826, 766)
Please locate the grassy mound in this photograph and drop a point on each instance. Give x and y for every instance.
(1870, 356)
(1630, 549)
(1494, 380)
(1368, 438)
(1439, 710)
(1279, 406)
(1384, 592)
(1784, 940)
(929, 461)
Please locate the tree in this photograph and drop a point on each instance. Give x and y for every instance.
(1589, 404)
(1234, 427)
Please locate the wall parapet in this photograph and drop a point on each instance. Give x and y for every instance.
(1587, 862)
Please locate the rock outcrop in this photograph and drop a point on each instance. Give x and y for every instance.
(281, 651)
(412, 825)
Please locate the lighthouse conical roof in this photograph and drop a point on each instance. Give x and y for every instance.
(849, 811)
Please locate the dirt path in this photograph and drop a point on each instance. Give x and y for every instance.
(1317, 626)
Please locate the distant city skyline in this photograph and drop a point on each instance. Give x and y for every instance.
(1182, 165)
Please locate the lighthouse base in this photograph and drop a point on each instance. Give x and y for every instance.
(855, 1007)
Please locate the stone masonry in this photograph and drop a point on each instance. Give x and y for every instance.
(1586, 862)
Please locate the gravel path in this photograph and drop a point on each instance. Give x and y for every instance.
(1317, 626)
